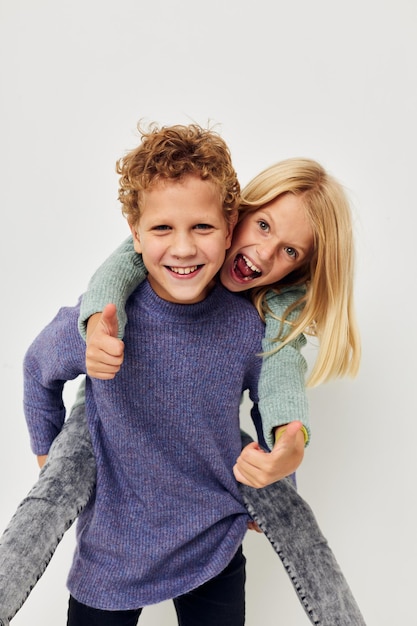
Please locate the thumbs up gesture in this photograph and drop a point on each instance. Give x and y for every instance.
(258, 468)
(104, 352)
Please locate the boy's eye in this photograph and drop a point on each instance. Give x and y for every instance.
(263, 225)
(203, 227)
(161, 227)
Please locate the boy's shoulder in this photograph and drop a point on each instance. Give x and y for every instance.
(236, 298)
(240, 304)
(241, 323)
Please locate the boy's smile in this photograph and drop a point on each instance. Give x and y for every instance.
(183, 236)
(268, 244)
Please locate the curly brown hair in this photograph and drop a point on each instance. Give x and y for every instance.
(171, 153)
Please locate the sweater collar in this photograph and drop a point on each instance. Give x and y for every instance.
(158, 307)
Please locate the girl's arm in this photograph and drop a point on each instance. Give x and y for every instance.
(282, 393)
(282, 405)
(113, 282)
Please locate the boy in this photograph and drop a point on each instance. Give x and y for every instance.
(167, 519)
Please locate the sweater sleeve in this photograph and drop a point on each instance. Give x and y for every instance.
(55, 356)
(113, 282)
(282, 393)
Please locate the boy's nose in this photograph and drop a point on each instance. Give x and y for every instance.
(183, 246)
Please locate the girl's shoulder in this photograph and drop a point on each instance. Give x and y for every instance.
(277, 304)
(279, 301)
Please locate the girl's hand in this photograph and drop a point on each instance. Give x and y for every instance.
(257, 468)
(104, 352)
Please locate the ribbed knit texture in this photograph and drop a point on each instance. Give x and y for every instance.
(282, 393)
(168, 514)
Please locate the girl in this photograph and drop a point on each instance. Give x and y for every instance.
(293, 249)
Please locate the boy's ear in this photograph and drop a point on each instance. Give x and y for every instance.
(230, 227)
(136, 239)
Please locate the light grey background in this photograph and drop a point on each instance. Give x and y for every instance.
(335, 81)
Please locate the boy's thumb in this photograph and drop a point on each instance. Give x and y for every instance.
(291, 430)
(109, 319)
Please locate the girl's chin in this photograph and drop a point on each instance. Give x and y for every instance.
(233, 283)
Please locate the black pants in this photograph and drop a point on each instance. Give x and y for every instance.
(219, 602)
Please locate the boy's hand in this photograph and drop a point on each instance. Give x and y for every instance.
(257, 468)
(104, 352)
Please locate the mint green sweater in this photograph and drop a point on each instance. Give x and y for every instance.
(282, 394)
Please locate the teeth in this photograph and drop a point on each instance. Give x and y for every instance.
(251, 265)
(184, 270)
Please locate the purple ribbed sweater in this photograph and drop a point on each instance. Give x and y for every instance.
(167, 514)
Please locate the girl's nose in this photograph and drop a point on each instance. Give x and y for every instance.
(266, 250)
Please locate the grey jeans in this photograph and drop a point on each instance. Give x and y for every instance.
(66, 483)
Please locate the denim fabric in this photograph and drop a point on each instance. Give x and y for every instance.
(291, 528)
(66, 483)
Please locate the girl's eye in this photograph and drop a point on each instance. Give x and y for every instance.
(161, 227)
(291, 252)
(263, 225)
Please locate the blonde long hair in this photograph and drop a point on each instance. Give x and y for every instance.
(326, 310)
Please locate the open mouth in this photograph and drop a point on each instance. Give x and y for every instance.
(185, 271)
(245, 269)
